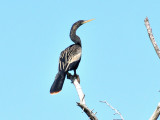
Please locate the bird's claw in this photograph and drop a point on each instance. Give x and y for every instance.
(77, 77)
(69, 75)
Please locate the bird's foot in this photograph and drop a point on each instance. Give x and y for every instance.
(72, 77)
(77, 77)
(69, 75)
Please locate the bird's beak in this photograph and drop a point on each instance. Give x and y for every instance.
(87, 21)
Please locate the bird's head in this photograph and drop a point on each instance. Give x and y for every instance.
(80, 22)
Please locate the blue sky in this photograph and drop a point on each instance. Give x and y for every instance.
(118, 63)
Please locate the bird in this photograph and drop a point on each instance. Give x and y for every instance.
(69, 58)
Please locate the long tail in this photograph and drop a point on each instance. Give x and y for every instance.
(58, 83)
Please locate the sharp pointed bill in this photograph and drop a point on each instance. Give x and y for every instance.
(88, 21)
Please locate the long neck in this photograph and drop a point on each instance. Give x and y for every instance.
(74, 37)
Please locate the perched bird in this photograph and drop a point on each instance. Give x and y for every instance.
(69, 58)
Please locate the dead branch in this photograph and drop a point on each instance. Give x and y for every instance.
(156, 113)
(89, 112)
(81, 104)
(149, 30)
(116, 111)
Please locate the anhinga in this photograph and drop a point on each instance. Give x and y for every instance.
(69, 58)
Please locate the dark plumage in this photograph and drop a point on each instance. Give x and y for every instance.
(69, 58)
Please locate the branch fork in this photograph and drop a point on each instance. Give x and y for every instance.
(116, 111)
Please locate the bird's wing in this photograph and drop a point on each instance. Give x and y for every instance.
(68, 56)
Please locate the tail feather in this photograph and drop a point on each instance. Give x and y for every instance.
(58, 83)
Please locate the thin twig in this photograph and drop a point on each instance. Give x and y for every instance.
(149, 30)
(156, 113)
(81, 95)
(116, 111)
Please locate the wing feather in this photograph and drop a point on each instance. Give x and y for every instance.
(68, 56)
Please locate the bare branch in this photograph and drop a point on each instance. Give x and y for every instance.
(116, 111)
(77, 86)
(90, 114)
(149, 30)
(156, 113)
(82, 105)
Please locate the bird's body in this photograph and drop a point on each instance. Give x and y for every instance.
(69, 59)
